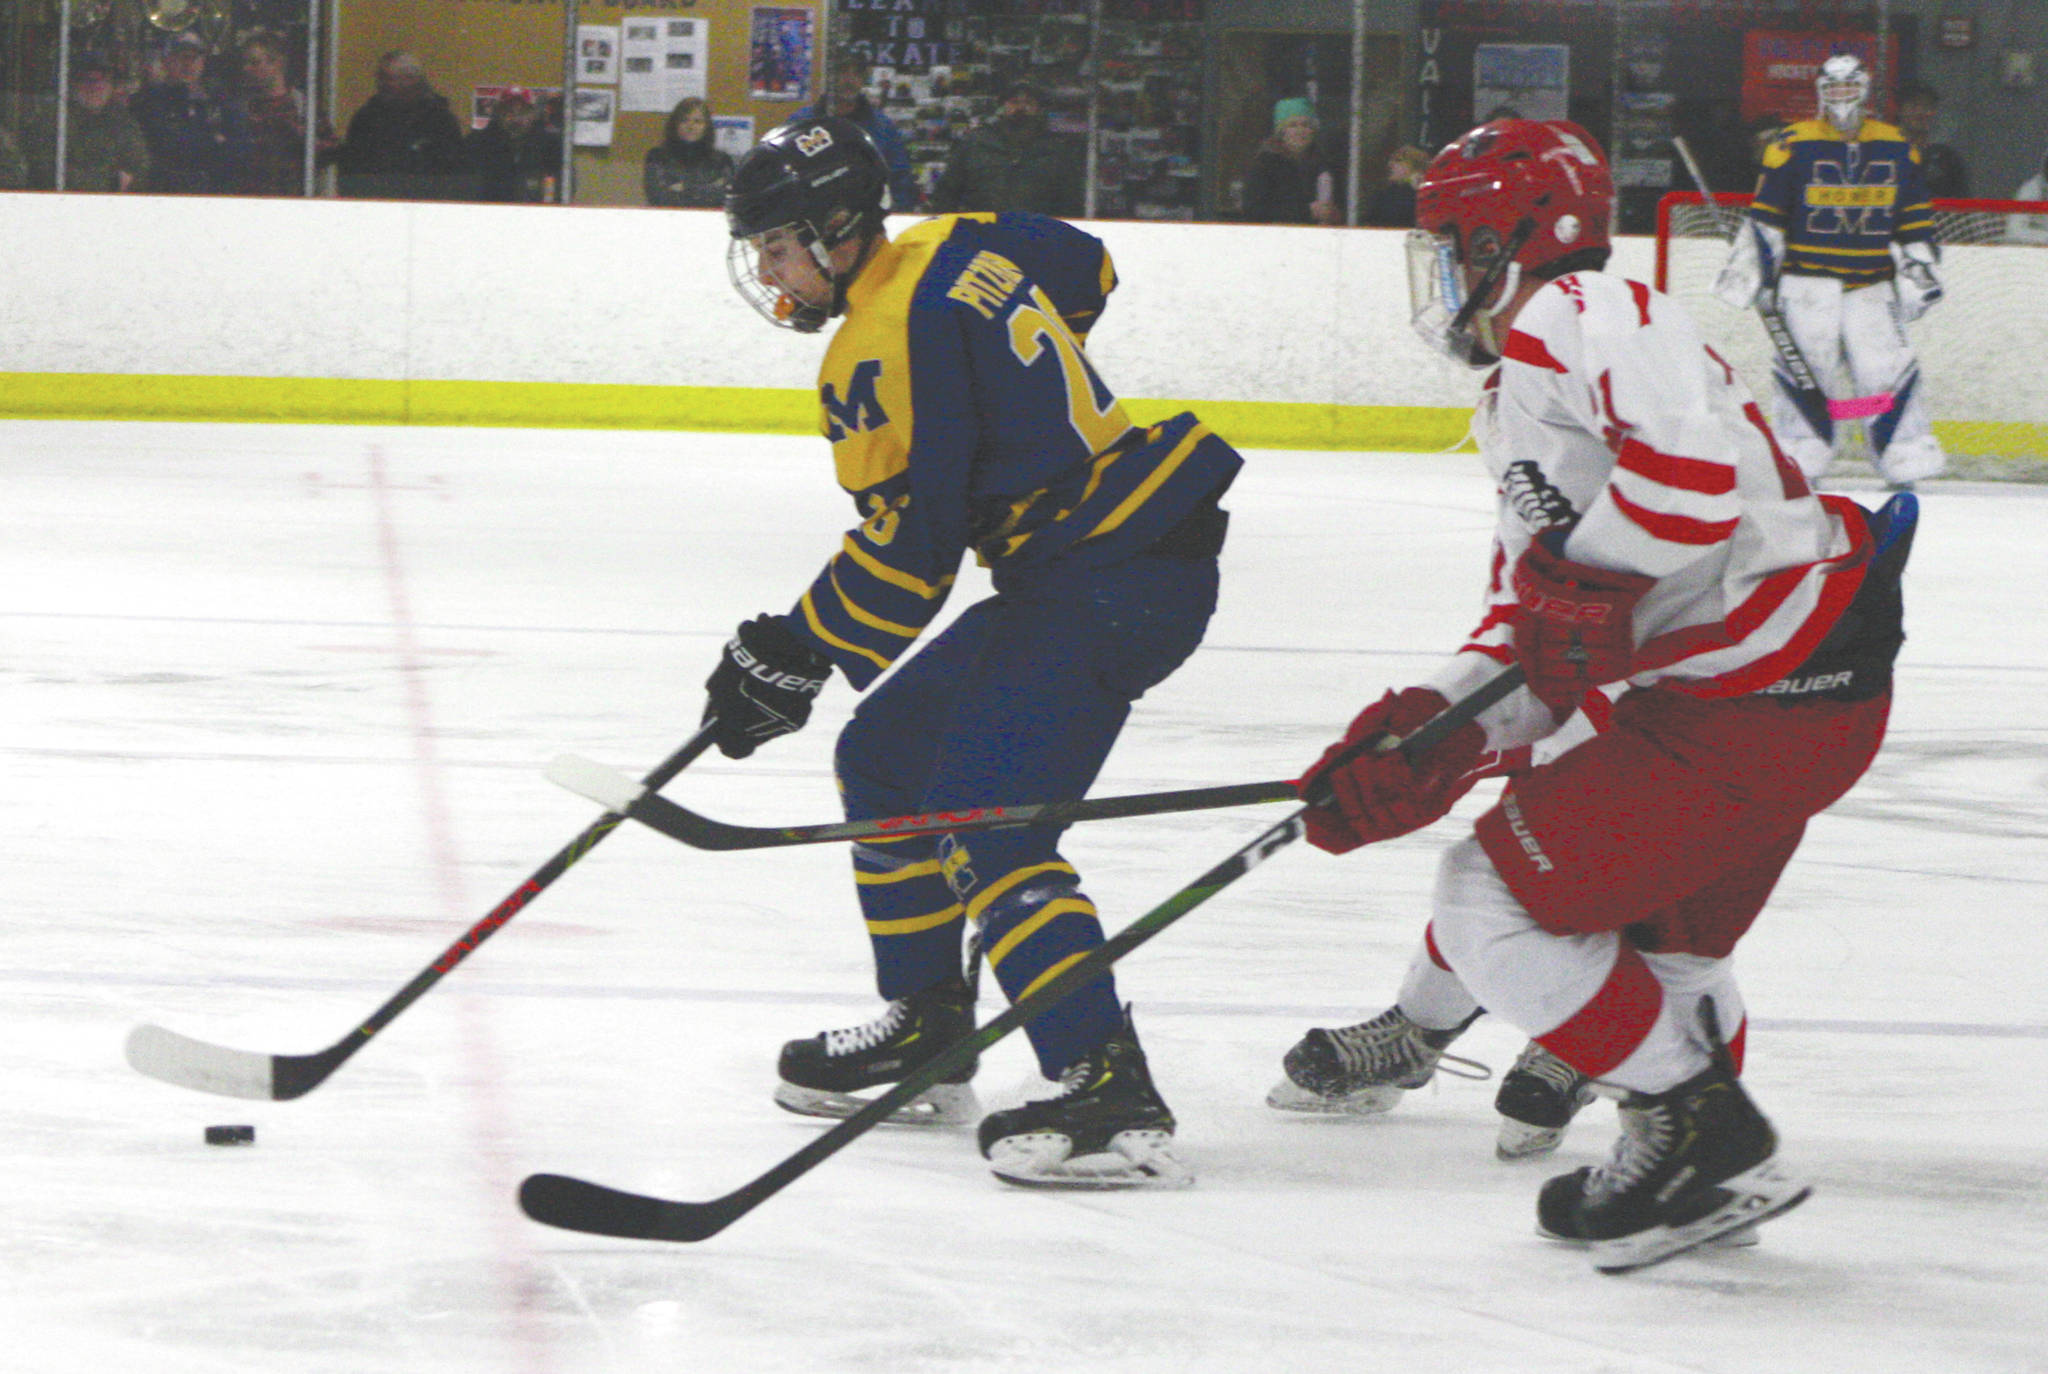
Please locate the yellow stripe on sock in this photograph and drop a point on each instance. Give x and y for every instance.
(1055, 971)
(979, 902)
(904, 874)
(911, 925)
(1033, 923)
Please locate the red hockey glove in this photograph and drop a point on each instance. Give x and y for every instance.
(1376, 796)
(1576, 630)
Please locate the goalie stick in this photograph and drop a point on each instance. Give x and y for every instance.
(616, 792)
(575, 1204)
(208, 1068)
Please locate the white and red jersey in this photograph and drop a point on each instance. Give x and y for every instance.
(1609, 417)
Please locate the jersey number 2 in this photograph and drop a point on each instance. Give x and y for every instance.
(1032, 327)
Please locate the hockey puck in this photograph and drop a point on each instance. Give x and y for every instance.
(231, 1135)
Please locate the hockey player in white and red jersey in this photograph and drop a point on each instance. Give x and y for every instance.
(1661, 568)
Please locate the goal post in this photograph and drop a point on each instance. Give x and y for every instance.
(1979, 347)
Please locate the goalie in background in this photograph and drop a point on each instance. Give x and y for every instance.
(964, 415)
(1651, 541)
(1840, 238)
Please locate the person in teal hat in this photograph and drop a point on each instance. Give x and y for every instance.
(1290, 181)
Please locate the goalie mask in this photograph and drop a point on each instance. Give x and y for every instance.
(799, 193)
(1844, 87)
(1512, 197)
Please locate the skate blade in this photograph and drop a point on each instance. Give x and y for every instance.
(1727, 1240)
(1134, 1159)
(1754, 1197)
(1520, 1140)
(1289, 1096)
(947, 1104)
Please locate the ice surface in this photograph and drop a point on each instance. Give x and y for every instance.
(277, 705)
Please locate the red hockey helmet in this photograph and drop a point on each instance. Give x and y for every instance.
(1510, 196)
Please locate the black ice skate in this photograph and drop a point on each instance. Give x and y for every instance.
(1362, 1070)
(1538, 1098)
(1106, 1127)
(821, 1075)
(1694, 1166)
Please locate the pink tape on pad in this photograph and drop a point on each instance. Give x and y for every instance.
(1860, 407)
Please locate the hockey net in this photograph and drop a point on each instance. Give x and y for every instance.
(1980, 347)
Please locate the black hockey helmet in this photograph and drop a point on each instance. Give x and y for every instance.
(823, 180)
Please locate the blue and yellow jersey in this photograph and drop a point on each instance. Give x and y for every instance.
(1841, 201)
(963, 413)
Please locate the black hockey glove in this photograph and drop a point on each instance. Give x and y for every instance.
(763, 686)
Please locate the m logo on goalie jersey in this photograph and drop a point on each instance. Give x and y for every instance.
(861, 410)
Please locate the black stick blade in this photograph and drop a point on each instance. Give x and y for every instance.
(575, 1204)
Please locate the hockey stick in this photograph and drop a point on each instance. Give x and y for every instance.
(1807, 392)
(616, 792)
(209, 1068)
(576, 1204)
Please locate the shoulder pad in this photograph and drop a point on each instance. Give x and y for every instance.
(932, 230)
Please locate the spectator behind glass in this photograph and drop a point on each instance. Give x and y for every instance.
(196, 140)
(1289, 181)
(1012, 162)
(404, 143)
(104, 149)
(846, 96)
(686, 170)
(1393, 205)
(1948, 178)
(516, 158)
(2030, 228)
(274, 158)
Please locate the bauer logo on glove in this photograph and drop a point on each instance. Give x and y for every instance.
(1576, 630)
(763, 686)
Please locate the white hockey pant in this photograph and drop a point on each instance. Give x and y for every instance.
(1859, 331)
(1502, 960)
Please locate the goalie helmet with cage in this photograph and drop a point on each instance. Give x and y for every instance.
(1844, 89)
(814, 184)
(1513, 196)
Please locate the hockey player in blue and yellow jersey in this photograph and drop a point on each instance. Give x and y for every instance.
(964, 416)
(1840, 239)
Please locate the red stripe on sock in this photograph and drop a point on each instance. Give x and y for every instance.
(1436, 956)
(1609, 1027)
(1738, 1044)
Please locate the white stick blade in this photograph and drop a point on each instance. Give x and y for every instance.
(608, 787)
(188, 1063)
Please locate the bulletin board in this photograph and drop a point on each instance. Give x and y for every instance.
(469, 43)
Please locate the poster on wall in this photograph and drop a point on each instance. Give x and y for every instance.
(685, 58)
(661, 61)
(1779, 69)
(732, 134)
(597, 54)
(640, 78)
(1521, 80)
(596, 112)
(779, 53)
(483, 102)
